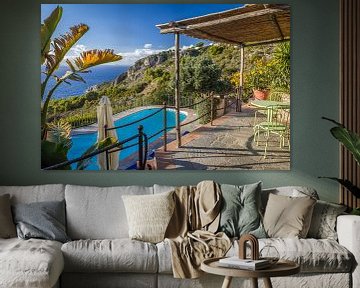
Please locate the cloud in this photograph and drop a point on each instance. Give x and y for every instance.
(148, 46)
(129, 58)
(76, 50)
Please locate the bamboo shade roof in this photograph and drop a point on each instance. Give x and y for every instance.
(248, 25)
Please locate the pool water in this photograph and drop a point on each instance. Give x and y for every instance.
(152, 125)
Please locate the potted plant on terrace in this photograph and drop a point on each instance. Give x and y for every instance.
(259, 79)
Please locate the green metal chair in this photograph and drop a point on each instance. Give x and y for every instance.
(277, 123)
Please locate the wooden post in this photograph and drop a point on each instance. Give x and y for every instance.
(177, 90)
(165, 128)
(212, 110)
(141, 147)
(241, 79)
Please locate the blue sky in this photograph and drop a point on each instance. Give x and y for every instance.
(129, 29)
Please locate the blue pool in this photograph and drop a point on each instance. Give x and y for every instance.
(151, 125)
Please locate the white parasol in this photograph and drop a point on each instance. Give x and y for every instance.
(105, 119)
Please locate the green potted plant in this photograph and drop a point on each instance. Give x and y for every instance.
(351, 142)
(259, 79)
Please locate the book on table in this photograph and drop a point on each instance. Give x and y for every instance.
(236, 262)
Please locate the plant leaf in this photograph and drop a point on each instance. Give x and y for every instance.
(349, 139)
(47, 30)
(59, 133)
(95, 57)
(348, 185)
(52, 154)
(62, 45)
(98, 145)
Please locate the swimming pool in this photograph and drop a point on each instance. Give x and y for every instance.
(153, 124)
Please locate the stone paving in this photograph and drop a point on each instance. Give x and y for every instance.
(225, 145)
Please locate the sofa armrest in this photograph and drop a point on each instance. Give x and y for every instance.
(348, 230)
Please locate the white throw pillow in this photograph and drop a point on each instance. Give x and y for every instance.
(149, 215)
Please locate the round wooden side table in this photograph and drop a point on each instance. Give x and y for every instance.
(281, 268)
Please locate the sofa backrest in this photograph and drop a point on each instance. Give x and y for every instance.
(35, 193)
(98, 212)
(293, 191)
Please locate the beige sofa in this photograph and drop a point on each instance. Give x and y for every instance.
(101, 255)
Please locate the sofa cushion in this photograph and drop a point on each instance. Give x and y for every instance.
(290, 191)
(98, 213)
(117, 255)
(7, 226)
(30, 263)
(287, 216)
(240, 210)
(149, 215)
(313, 255)
(35, 193)
(323, 222)
(42, 220)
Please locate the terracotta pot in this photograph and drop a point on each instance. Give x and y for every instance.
(261, 94)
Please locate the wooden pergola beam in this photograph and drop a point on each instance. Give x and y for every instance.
(210, 23)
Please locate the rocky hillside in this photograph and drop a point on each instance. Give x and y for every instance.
(150, 80)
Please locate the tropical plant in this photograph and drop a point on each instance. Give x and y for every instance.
(281, 68)
(53, 52)
(351, 142)
(260, 76)
(57, 145)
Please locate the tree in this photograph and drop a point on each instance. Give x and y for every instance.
(53, 52)
(201, 77)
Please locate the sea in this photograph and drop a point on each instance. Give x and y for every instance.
(98, 75)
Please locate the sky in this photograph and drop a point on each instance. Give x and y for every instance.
(129, 29)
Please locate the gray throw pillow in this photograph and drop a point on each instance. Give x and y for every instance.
(43, 220)
(7, 226)
(323, 222)
(240, 213)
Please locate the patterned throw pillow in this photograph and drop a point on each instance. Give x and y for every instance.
(240, 213)
(288, 217)
(7, 226)
(323, 223)
(149, 215)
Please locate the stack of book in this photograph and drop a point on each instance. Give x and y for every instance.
(248, 264)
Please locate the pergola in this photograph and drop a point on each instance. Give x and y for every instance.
(250, 25)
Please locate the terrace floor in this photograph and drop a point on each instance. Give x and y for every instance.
(225, 145)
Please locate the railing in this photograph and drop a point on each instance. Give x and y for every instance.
(143, 139)
(118, 146)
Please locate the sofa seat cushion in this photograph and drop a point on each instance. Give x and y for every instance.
(30, 263)
(313, 255)
(115, 255)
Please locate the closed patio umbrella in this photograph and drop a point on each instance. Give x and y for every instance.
(105, 118)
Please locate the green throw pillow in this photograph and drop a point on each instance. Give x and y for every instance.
(240, 213)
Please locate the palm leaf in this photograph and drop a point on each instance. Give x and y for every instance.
(349, 139)
(95, 57)
(347, 184)
(47, 30)
(62, 45)
(59, 133)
